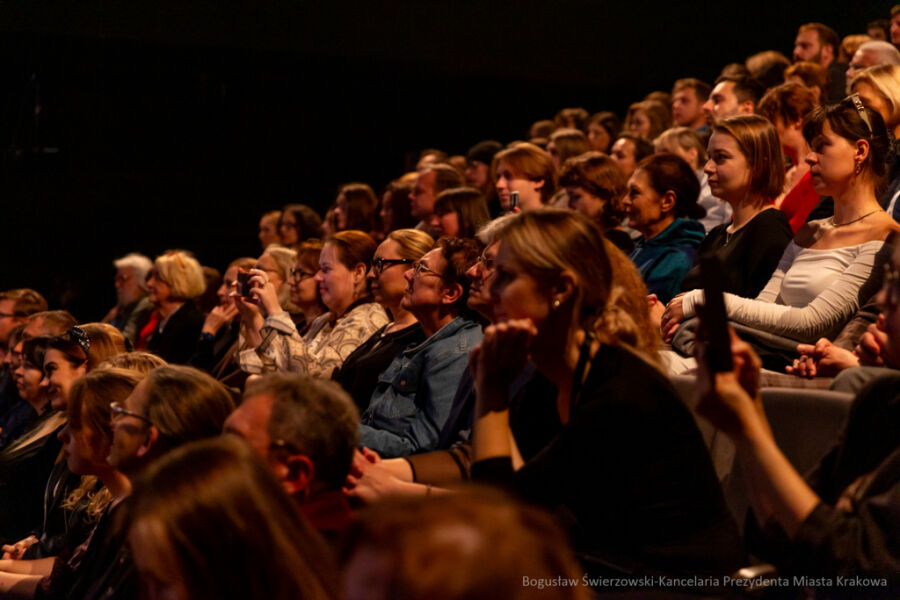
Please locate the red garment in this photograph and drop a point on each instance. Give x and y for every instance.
(149, 329)
(799, 202)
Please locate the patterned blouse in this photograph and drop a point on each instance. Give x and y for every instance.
(318, 353)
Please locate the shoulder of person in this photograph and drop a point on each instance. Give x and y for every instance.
(810, 233)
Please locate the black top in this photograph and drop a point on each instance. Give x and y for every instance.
(749, 256)
(631, 477)
(359, 373)
(176, 342)
(210, 350)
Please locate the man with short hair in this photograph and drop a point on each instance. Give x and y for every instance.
(871, 54)
(688, 96)
(132, 308)
(306, 429)
(732, 96)
(431, 181)
(819, 43)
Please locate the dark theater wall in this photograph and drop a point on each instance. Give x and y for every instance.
(175, 124)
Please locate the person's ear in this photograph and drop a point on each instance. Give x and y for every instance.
(746, 107)
(667, 201)
(452, 293)
(296, 472)
(862, 153)
(564, 289)
(359, 272)
(150, 441)
(538, 184)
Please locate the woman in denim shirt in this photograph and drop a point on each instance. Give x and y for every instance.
(412, 399)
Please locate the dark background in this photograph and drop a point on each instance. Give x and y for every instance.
(142, 126)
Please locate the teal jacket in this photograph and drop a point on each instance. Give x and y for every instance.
(665, 259)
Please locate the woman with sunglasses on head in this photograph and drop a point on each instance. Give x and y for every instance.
(27, 465)
(828, 271)
(175, 280)
(359, 373)
(275, 344)
(413, 396)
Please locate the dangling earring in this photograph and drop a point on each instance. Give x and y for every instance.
(858, 168)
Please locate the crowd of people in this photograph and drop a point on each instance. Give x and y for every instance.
(462, 387)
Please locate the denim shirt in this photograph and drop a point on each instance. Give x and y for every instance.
(412, 398)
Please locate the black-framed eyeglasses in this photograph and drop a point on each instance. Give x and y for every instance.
(380, 264)
(861, 109)
(119, 410)
(300, 274)
(78, 335)
(420, 269)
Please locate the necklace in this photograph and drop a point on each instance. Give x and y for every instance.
(854, 220)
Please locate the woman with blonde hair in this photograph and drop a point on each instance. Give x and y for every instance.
(565, 144)
(272, 337)
(613, 416)
(175, 280)
(647, 119)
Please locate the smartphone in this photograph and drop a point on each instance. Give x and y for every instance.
(243, 284)
(714, 316)
(513, 200)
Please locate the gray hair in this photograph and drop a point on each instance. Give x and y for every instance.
(886, 53)
(490, 229)
(137, 262)
(316, 418)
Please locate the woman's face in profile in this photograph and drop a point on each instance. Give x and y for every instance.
(598, 137)
(831, 161)
(640, 124)
(642, 203)
(514, 293)
(287, 228)
(334, 279)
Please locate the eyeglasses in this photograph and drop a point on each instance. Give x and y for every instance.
(861, 109)
(420, 268)
(118, 410)
(379, 264)
(486, 261)
(301, 275)
(891, 283)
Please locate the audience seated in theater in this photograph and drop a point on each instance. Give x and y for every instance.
(210, 520)
(786, 106)
(829, 269)
(745, 170)
(688, 96)
(661, 204)
(215, 350)
(27, 362)
(360, 372)
(298, 223)
(373, 478)
(483, 545)
(356, 207)
(459, 212)
(564, 144)
(431, 181)
(268, 229)
(26, 463)
(132, 308)
(306, 430)
(603, 129)
(647, 119)
(812, 75)
(413, 396)
(841, 520)
(687, 144)
(732, 95)
(628, 150)
(275, 344)
(594, 183)
(614, 415)
(819, 43)
(524, 168)
(171, 332)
